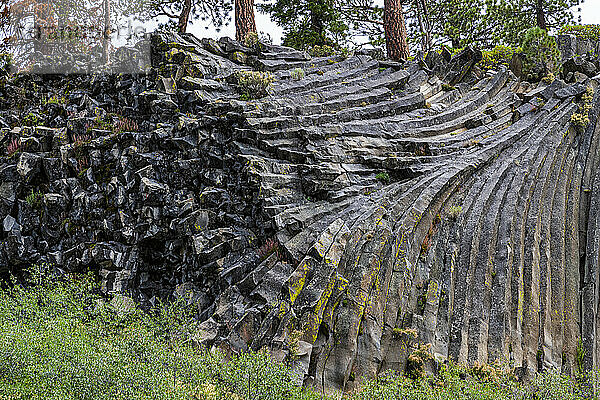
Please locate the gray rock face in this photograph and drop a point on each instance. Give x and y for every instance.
(328, 219)
(571, 46)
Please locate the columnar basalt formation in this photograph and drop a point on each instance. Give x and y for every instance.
(360, 209)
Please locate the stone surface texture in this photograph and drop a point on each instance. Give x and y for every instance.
(328, 220)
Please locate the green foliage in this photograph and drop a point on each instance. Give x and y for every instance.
(415, 365)
(454, 212)
(297, 74)
(34, 199)
(216, 13)
(54, 99)
(251, 40)
(486, 23)
(321, 51)
(549, 78)
(399, 332)
(61, 340)
(499, 55)
(580, 120)
(541, 54)
(580, 356)
(254, 84)
(591, 32)
(383, 177)
(447, 88)
(5, 64)
(308, 23)
(461, 22)
(512, 18)
(31, 119)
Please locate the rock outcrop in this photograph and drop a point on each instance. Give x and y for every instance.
(355, 212)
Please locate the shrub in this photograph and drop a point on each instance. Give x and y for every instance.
(321, 51)
(541, 54)
(60, 339)
(31, 119)
(99, 122)
(297, 74)
(254, 84)
(5, 64)
(591, 32)
(499, 55)
(399, 332)
(383, 177)
(251, 40)
(416, 361)
(549, 78)
(54, 99)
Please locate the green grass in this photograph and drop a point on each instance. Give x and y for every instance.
(61, 339)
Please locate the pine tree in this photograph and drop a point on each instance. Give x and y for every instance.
(395, 30)
(308, 23)
(244, 19)
(179, 13)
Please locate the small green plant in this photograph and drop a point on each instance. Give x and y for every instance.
(383, 177)
(34, 199)
(6, 61)
(254, 84)
(415, 365)
(447, 88)
(580, 356)
(297, 74)
(251, 40)
(31, 119)
(294, 344)
(549, 78)
(54, 99)
(321, 51)
(580, 120)
(399, 332)
(99, 122)
(454, 212)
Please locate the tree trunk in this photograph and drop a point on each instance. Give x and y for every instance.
(184, 17)
(395, 30)
(423, 16)
(244, 19)
(541, 20)
(316, 25)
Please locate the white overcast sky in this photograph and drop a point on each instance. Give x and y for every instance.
(590, 14)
